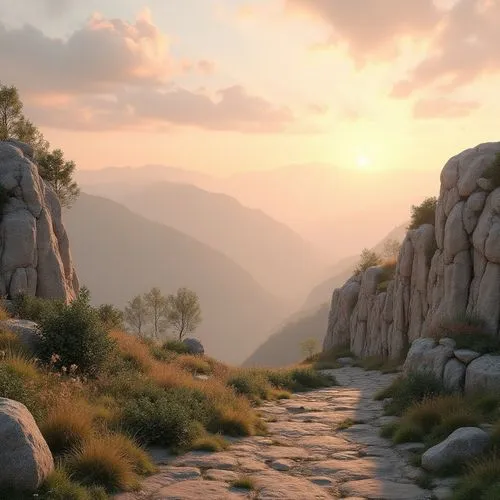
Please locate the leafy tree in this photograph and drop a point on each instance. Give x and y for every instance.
(309, 347)
(156, 304)
(11, 112)
(391, 249)
(110, 316)
(368, 259)
(425, 213)
(136, 313)
(59, 174)
(183, 311)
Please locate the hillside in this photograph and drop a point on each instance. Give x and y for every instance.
(277, 257)
(119, 254)
(283, 347)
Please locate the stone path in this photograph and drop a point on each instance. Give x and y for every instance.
(305, 456)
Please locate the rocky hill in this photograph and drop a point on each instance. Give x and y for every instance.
(444, 271)
(35, 257)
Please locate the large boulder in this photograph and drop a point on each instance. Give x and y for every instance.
(483, 375)
(27, 331)
(461, 446)
(25, 458)
(454, 375)
(425, 356)
(194, 346)
(34, 250)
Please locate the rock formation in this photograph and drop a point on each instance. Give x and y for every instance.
(34, 250)
(443, 271)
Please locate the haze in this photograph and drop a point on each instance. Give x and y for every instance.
(284, 135)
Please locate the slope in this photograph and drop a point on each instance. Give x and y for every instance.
(119, 254)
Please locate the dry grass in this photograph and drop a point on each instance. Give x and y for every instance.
(244, 483)
(4, 315)
(9, 341)
(194, 364)
(18, 364)
(209, 442)
(133, 351)
(67, 425)
(96, 463)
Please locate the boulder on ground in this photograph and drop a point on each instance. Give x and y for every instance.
(454, 376)
(425, 356)
(194, 346)
(25, 458)
(26, 331)
(483, 375)
(460, 446)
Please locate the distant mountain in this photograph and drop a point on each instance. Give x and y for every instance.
(119, 254)
(277, 257)
(283, 347)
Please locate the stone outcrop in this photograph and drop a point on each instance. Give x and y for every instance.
(444, 271)
(25, 458)
(35, 257)
(194, 346)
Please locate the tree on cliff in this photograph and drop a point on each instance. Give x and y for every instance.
(52, 167)
(425, 213)
(183, 311)
(59, 174)
(368, 258)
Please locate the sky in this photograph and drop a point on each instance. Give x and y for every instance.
(226, 86)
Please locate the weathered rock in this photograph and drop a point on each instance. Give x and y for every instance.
(376, 489)
(25, 458)
(26, 331)
(194, 346)
(460, 446)
(454, 375)
(483, 374)
(34, 249)
(425, 356)
(466, 355)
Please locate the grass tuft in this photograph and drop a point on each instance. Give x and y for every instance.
(244, 482)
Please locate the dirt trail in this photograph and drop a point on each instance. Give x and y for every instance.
(305, 456)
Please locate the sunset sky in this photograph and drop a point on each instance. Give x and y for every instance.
(231, 85)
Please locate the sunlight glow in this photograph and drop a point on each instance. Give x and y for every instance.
(363, 161)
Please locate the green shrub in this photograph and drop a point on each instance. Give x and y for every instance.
(367, 259)
(58, 486)
(304, 379)
(425, 213)
(328, 359)
(34, 308)
(250, 383)
(408, 390)
(482, 480)
(14, 386)
(75, 336)
(493, 172)
(175, 346)
(111, 317)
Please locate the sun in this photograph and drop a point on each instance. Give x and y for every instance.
(363, 161)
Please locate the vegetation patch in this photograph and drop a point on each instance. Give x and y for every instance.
(425, 213)
(327, 360)
(367, 259)
(481, 481)
(379, 363)
(244, 482)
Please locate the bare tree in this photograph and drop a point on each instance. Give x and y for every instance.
(136, 314)
(183, 311)
(156, 304)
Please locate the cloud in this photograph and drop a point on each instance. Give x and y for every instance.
(370, 27)
(96, 57)
(466, 48)
(231, 109)
(443, 108)
(112, 74)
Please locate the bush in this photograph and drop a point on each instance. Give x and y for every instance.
(493, 172)
(76, 335)
(482, 480)
(328, 359)
(10, 342)
(111, 317)
(408, 390)
(175, 346)
(96, 463)
(250, 383)
(368, 258)
(194, 364)
(425, 213)
(304, 379)
(35, 308)
(14, 386)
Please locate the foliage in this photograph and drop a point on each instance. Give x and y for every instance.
(244, 482)
(327, 360)
(11, 109)
(194, 364)
(35, 308)
(110, 316)
(493, 172)
(59, 174)
(408, 390)
(14, 386)
(175, 346)
(309, 347)
(209, 442)
(425, 213)
(391, 250)
(156, 305)
(183, 311)
(136, 313)
(59, 486)
(482, 480)
(251, 383)
(75, 336)
(368, 258)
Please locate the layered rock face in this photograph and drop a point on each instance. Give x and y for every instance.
(443, 271)
(35, 257)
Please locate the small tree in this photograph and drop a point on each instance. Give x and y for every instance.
(368, 258)
(156, 305)
(59, 174)
(11, 111)
(309, 347)
(183, 311)
(391, 249)
(110, 316)
(136, 313)
(425, 213)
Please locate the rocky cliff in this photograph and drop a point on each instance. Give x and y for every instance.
(443, 271)
(34, 250)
